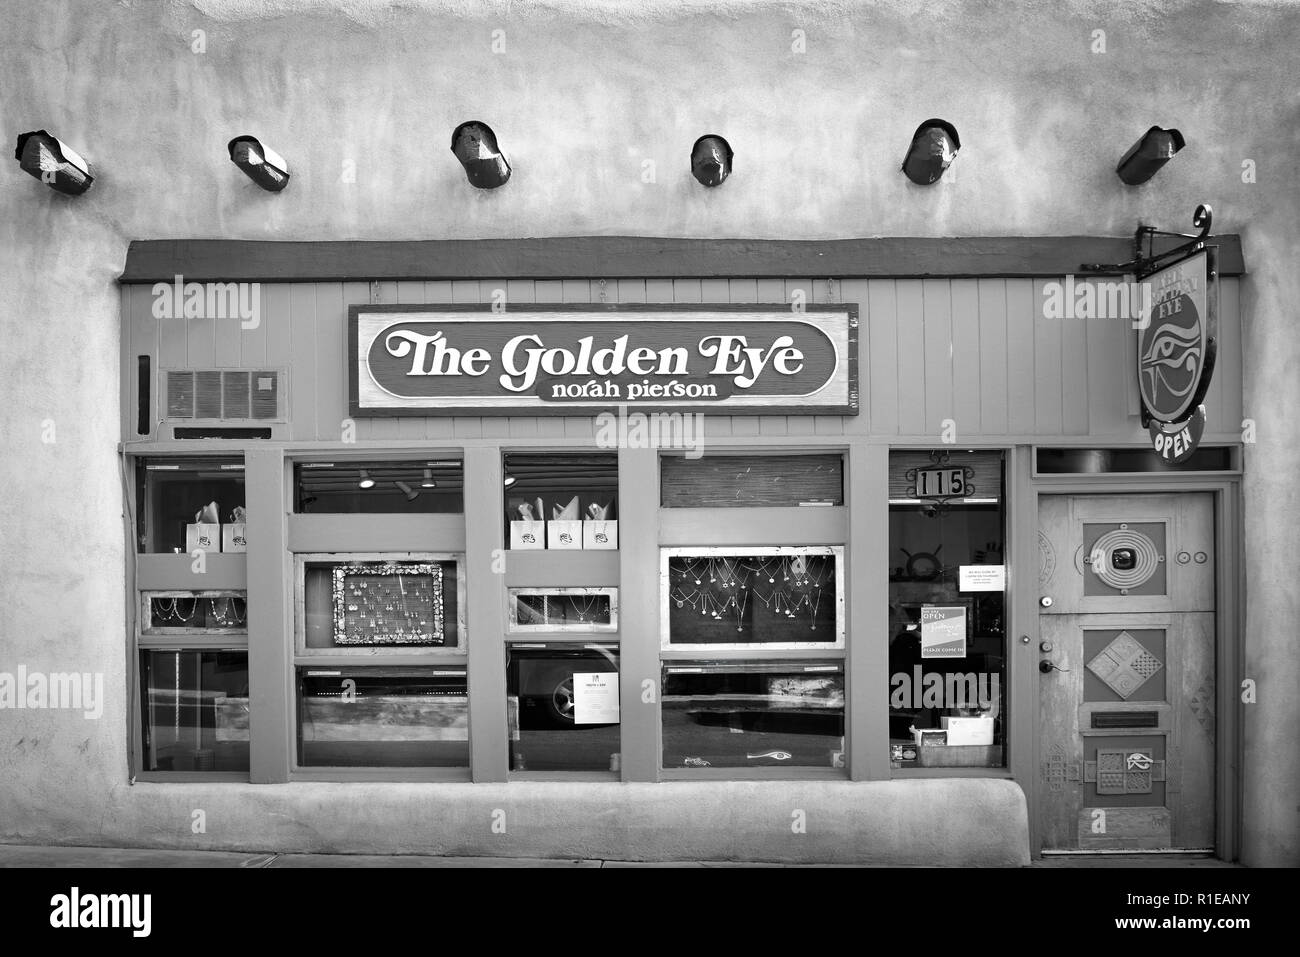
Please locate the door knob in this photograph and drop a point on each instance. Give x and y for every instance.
(1045, 601)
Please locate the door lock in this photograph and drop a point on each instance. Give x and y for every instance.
(1045, 601)
(1045, 647)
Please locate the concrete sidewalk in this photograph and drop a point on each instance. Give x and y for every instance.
(27, 855)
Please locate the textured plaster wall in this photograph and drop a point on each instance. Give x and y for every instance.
(582, 95)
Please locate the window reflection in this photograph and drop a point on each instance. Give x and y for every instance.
(563, 707)
(195, 710)
(745, 714)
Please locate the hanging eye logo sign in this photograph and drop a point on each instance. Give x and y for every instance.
(1175, 354)
(582, 359)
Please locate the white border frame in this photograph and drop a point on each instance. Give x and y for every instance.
(740, 551)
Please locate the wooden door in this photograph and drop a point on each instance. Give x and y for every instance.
(1126, 662)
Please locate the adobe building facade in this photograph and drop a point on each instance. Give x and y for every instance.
(956, 482)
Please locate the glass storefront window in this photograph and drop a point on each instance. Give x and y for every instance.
(435, 485)
(561, 500)
(383, 717)
(744, 714)
(575, 609)
(947, 610)
(183, 504)
(368, 604)
(776, 597)
(563, 707)
(194, 612)
(195, 708)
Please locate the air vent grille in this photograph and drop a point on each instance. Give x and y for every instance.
(224, 395)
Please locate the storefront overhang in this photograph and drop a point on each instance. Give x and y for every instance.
(615, 257)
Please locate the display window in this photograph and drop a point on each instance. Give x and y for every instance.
(563, 707)
(373, 487)
(189, 504)
(380, 604)
(561, 501)
(947, 610)
(746, 714)
(560, 610)
(383, 717)
(194, 612)
(194, 709)
(775, 597)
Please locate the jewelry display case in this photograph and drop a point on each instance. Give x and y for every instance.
(768, 597)
(194, 612)
(559, 610)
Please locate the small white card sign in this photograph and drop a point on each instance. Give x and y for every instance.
(595, 697)
(982, 578)
(943, 631)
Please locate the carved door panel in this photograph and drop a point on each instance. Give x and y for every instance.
(1126, 707)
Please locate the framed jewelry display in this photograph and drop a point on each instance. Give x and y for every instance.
(194, 613)
(378, 604)
(388, 603)
(560, 610)
(781, 597)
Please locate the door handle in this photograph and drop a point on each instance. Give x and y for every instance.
(1047, 667)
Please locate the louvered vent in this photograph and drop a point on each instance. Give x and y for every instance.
(223, 395)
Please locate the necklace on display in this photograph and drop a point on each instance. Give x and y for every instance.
(740, 610)
(818, 604)
(225, 611)
(184, 618)
(585, 609)
(684, 599)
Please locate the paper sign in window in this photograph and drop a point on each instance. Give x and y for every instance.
(982, 578)
(943, 631)
(595, 697)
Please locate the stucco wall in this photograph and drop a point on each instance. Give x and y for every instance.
(582, 95)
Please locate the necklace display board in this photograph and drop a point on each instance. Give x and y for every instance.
(773, 597)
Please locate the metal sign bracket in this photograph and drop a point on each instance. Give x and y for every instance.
(1141, 264)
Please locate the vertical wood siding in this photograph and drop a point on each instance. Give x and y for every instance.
(974, 351)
